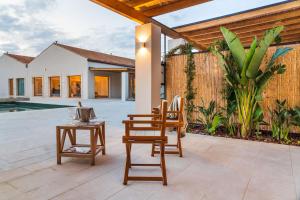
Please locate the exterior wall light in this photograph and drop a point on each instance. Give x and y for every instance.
(143, 44)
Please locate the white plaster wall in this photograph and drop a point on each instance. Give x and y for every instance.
(11, 68)
(57, 61)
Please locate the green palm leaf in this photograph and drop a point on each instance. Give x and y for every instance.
(259, 54)
(235, 46)
(249, 56)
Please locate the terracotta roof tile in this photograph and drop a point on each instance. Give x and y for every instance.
(20, 58)
(94, 56)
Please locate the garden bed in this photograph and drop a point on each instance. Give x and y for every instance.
(264, 136)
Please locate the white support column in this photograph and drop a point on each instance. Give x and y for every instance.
(124, 85)
(147, 67)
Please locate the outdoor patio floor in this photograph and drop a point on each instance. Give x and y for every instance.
(212, 167)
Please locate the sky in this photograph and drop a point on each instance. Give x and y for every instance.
(29, 26)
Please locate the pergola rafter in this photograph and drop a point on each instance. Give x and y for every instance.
(201, 34)
(142, 11)
(248, 24)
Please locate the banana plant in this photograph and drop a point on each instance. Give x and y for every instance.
(246, 76)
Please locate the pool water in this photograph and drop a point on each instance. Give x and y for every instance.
(23, 106)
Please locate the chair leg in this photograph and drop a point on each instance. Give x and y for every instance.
(130, 145)
(179, 141)
(163, 164)
(152, 150)
(127, 164)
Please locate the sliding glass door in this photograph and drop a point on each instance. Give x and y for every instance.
(20, 87)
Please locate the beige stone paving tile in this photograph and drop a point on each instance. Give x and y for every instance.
(72, 195)
(4, 165)
(178, 192)
(104, 186)
(32, 160)
(295, 156)
(273, 170)
(46, 176)
(37, 179)
(52, 189)
(8, 192)
(229, 186)
(41, 165)
(264, 188)
(130, 194)
(275, 153)
(13, 174)
(27, 154)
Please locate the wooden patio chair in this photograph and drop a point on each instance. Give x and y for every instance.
(176, 122)
(155, 122)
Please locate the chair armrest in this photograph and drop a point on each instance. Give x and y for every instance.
(143, 115)
(141, 122)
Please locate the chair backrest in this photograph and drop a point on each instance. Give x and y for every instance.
(157, 124)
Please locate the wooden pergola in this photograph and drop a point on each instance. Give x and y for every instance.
(143, 11)
(246, 24)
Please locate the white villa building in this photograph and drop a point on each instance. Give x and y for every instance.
(63, 71)
(13, 75)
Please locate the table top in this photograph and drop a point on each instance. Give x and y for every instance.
(78, 125)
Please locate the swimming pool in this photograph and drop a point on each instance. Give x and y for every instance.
(23, 106)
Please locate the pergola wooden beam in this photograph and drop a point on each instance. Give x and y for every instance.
(111, 69)
(247, 40)
(139, 17)
(248, 24)
(134, 15)
(138, 2)
(240, 17)
(250, 33)
(285, 17)
(177, 5)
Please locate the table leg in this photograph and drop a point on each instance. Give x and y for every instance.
(103, 136)
(74, 136)
(93, 146)
(58, 146)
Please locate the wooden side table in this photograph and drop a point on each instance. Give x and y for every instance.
(97, 132)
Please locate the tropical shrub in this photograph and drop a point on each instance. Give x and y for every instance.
(295, 116)
(245, 75)
(209, 117)
(280, 121)
(229, 110)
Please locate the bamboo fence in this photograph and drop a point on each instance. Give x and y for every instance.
(209, 80)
